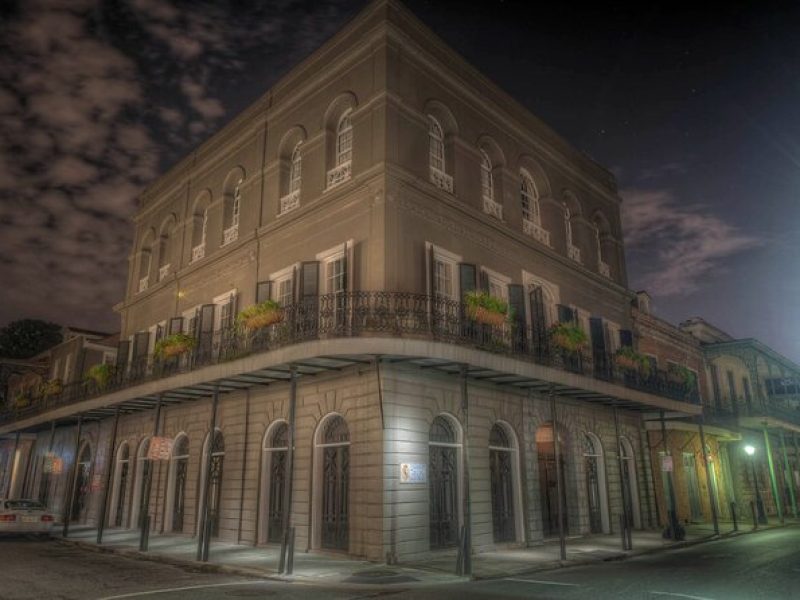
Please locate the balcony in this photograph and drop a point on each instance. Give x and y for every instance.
(143, 283)
(163, 272)
(536, 231)
(230, 235)
(604, 269)
(382, 322)
(339, 174)
(289, 202)
(442, 180)
(198, 252)
(490, 207)
(574, 253)
(774, 413)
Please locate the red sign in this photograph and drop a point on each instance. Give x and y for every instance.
(160, 448)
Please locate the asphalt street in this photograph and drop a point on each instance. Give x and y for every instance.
(765, 565)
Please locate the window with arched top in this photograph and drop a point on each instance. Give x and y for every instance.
(573, 251)
(336, 431)
(280, 437)
(176, 485)
(602, 265)
(531, 211)
(594, 468)
(487, 182)
(498, 437)
(273, 482)
(344, 139)
(442, 431)
(295, 170)
(231, 213)
(436, 145)
(444, 457)
(503, 484)
(164, 254)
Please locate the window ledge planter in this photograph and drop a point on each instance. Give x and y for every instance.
(21, 400)
(52, 388)
(681, 375)
(629, 360)
(486, 309)
(101, 374)
(174, 345)
(568, 337)
(260, 315)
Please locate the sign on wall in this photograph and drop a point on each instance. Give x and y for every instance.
(160, 448)
(53, 464)
(666, 464)
(413, 473)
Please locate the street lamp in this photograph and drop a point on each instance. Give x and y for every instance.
(762, 517)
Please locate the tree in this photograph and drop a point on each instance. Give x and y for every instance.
(28, 337)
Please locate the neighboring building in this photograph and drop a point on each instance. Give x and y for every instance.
(676, 356)
(371, 190)
(754, 390)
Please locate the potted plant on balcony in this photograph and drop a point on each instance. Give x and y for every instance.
(52, 387)
(487, 309)
(22, 399)
(681, 375)
(568, 337)
(100, 374)
(260, 315)
(174, 345)
(627, 359)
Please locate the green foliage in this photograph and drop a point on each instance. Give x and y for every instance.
(260, 315)
(485, 300)
(53, 387)
(101, 374)
(627, 358)
(28, 337)
(569, 337)
(682, 374)
(174, 345)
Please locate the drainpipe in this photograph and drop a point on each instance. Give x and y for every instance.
(286, 559)
(562, 534)
(71, 482)
(621, 465)
(465, 567)
(204, 531)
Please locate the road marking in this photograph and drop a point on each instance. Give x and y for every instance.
(180, 589)
(681, 595)
(542, 582)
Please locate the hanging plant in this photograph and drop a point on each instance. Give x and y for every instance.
(628, 359)
(487, 309)
(21, 400)
(682, 375)
(260, 315)
(52, 387)
(101, 374)
(568, 337)
(174, 345)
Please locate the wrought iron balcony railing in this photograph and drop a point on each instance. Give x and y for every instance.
(363, 314)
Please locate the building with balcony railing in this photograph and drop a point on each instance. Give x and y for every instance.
(410, 355)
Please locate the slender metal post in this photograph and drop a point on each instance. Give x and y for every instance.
(772, 479)
(672, 512)
(144, 535)
(621, 465)
(759, 505)
(467, 505)
(285, 564)
(787, 473)
(101, 524)
(71, 483)
(712, 493)
(203, 532)
(44, 462)
(12, 472)
(562, 534)
(733, 516)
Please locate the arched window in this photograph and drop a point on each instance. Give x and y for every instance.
(237, 203)
(602, 265)
(630, 491)
(142, 470)
(436, 146)
(164, 251)
(595, 484)
(295, 171)
(529, 198)
(121, 479)
(487, 182)
(212, 494)
(333, 490)
(573, 251)
(232, 206)
(145, 256)
(276, 446)
(82, 482)
(503, 484)
(344, 139)
(179, 468)
(443, 469)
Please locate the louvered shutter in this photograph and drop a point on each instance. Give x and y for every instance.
(467, 279)
(626, 338)
(175, 325)
(566, 314)
(598, 333)
(263, 291)
(140, 344)
(538, 321)
(309, 296)
(516, 304)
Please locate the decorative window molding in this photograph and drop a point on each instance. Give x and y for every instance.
(339, 175)
(289, 202)
(143, 283)
(292, 200)
(445, 276)
(198, 252)
(531, 212)
(283, 285)
(344, 139)
(498, 283)
(573, 252)
(436, 145)
(163, 271)
(441, 180)
(230, 235)
(487, 181)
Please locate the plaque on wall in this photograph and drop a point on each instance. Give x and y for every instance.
(413, 473)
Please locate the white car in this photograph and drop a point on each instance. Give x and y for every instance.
(25, 516)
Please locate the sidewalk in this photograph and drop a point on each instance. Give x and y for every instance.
(329, 568)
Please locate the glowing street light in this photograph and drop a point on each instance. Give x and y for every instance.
(750, 450)
(762, 517)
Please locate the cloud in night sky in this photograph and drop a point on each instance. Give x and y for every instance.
(684, 243)
(96, 99)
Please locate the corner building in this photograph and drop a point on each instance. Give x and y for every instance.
(368, 193)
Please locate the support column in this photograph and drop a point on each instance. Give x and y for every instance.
(712, 493)
(773, 481)
(203, 531)
(621, 466)
(465, 565)
(44, 462)
(71, 482)
(144, 534)
(562, 534)
(12, 471)
(286, 562)
(673, 524)
(101, 522)
(787, 473)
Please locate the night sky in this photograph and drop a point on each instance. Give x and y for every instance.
(697, 114)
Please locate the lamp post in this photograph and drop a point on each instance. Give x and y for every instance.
(762, 517)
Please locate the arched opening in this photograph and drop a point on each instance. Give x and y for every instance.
(165, 248)
(436, 159)
(444, 458)
(595, 471)
(232, 205)
(200, 225)
(121, 477)
(505, 488)
(214, 492)
(80, 493)
(145, 259)
(630, 490)
(273, 481)
(140, 477)
(176, 485)
(487, 179)
(548, 479)
(332, 513)
(344, 139)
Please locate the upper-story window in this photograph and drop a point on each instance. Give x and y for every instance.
(436, 145)
(200, 225)
(237, 203)
(573, 251)
(444, 278)
(165, 250)
(602, 265)
(232, 211)
(344, 140)
(531, 212)
(487, 182)
(295, 171)
(145, 256)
